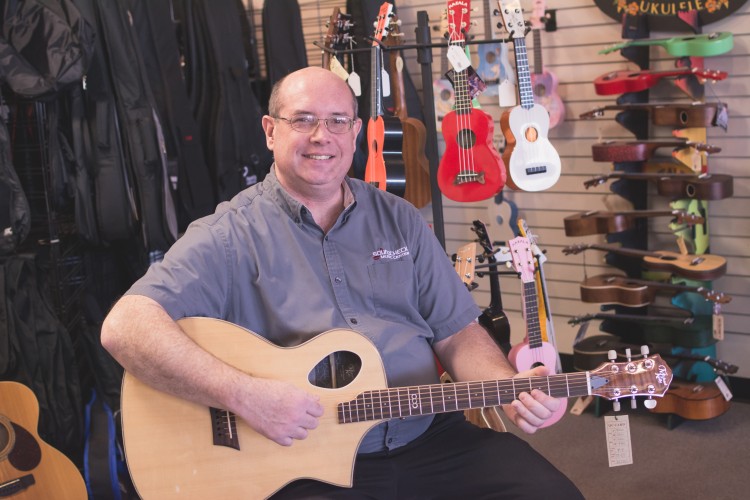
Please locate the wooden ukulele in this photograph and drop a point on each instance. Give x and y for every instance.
(533, 351)
(601, 222)
(697, 267)
(678, 186)
(338, 36)
(384, 133)
(617, 151)
(533, 163)
(30, 469)
(179, 449)
(706, 45)
(471, 169)
(694, 401)
(631, 292)
(544, 82)
(416, 164)
(620, 82)
(696, 114)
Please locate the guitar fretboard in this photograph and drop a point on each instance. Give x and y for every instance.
(525, 90)
(531, 311)
(461, 87)
(441, 398)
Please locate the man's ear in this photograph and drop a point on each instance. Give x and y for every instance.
(269, 126)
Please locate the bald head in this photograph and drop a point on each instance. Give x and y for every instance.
(302, 80)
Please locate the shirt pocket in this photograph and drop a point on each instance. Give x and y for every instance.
(393, 288)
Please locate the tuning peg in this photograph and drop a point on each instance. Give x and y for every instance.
(612, 355)
(650, 403)
(633, 403)
(616, 405)
(644, 350)
(628, 354)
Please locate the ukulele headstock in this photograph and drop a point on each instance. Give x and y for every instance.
(683, 217)
(596, 181)
(574, 249)
(513, 17)
(715, 296)
(707, 74)
(458, 18)
(381, 23)
(523, 259)
(466, 257)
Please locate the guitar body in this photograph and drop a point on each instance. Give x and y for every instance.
(30, 469)
(416, 164)
(533, 163)
(524, 357)
(696, 267)
(393, 155)
(375, 169)
(169, 446)
(601, 289)
(710, 187)
(471, 169)
(545, 94)
(587, 223)
(693, 401)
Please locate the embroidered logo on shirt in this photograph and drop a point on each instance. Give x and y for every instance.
(390, 254)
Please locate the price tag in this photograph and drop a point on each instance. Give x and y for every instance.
(355, 83)
(619, 450)
(385, 80)
(723, 388)
(338, 69)
(507, 93)
(718, 326)
(722, 116)
(458, 59)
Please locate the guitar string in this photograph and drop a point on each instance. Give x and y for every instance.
(460, 91)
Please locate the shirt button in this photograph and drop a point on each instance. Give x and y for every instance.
(390, 440)
(337, 279)
(353, 321)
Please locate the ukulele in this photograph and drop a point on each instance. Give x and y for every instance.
(678, 186)
(471, 169)
(631, 292)
(338, 37)
(179, 449)
(442, 88)
(416, 164)
(600, 222)
(543, 81)
(379, 127)
(533, 163)
(706, 45)
(694, 401)
(617, 151)
(696, 114)
(620, 82)
(696, 267)
(30, 469)
(533, 351)
(465, 263)
(490, 56)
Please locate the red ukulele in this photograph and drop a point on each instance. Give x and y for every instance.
(470, 169)
(620, 82)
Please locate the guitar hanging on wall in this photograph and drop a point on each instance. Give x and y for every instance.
(543, 81)
(533, 163)
(470, 169)
(384, 133)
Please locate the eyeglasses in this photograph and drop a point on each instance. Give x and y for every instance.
(308, 123)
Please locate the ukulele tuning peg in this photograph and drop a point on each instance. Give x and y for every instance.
(644, 351)
(616, 405)
(650, 403)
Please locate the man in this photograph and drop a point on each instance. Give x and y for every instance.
(308, 250)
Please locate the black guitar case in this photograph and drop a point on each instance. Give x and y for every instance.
(283, 38)
(364, 13)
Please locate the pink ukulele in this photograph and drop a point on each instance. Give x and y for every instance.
(533, 351)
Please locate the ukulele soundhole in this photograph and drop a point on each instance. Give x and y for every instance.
(466, 139)
(540, 90)
(336, 370)
(531, 134)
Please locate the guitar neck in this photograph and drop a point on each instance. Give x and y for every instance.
(441, 398)
(538, 62)
(628, 252)
(525, 90)
(397, 85)
(531, 314)
(376, 91)
(637, 318)
(463, 102)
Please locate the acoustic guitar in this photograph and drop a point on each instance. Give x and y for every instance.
(678, 186)
(618, 151)
(694, 401)
(471, 169)
(632, 292)
(620, 82)
(384, 133)
(705, 45)
(533, 163)
(696, 114)
(532, 351)
(543, 81)
(696, 267)
(30, 469)
(179, 449)
(602, 222)
(416, 164)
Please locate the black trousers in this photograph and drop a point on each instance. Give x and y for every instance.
(453, 459)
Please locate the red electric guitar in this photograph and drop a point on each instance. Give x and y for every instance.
(533, 351)
(620, 82)
(471, 169)
(544, 82)
(533, 163)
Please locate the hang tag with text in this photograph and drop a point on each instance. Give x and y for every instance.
(619, 450)
(355, 83)
(723, 388)
(507, 93)
(458, 58)
(385, 79)
(717, 322)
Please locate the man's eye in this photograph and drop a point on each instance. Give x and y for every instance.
(339, 120)
(304, 119)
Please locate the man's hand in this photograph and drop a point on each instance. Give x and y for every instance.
(530, 411)
(280, 411)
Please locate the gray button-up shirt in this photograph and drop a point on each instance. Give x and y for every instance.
(261, 262)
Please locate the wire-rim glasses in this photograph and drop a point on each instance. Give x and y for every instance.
(307, 123)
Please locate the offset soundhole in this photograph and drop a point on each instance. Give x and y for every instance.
(466, 139)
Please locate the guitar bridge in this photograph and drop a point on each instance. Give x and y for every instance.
(469, 177)
(536, 170)
(224, 428)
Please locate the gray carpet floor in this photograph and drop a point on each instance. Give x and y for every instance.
(706, 459)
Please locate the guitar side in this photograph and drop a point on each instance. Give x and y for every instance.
(533, 163)
(53, 475)
(169, 446)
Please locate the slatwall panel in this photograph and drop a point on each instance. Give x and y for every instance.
(571, 53)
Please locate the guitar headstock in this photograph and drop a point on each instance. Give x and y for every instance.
(395, 37)
(596, 181)
(649, 376)
(715, 296)
(512, 17)
(523, 259)
(338, 36)
(381, 23)
(683, 217)
(577, 320)
(466, 257)
(702, 146)
(538, 16)
(575, 249)
(483, 238)
(707, 74)
(594, 113)
(459, 22)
